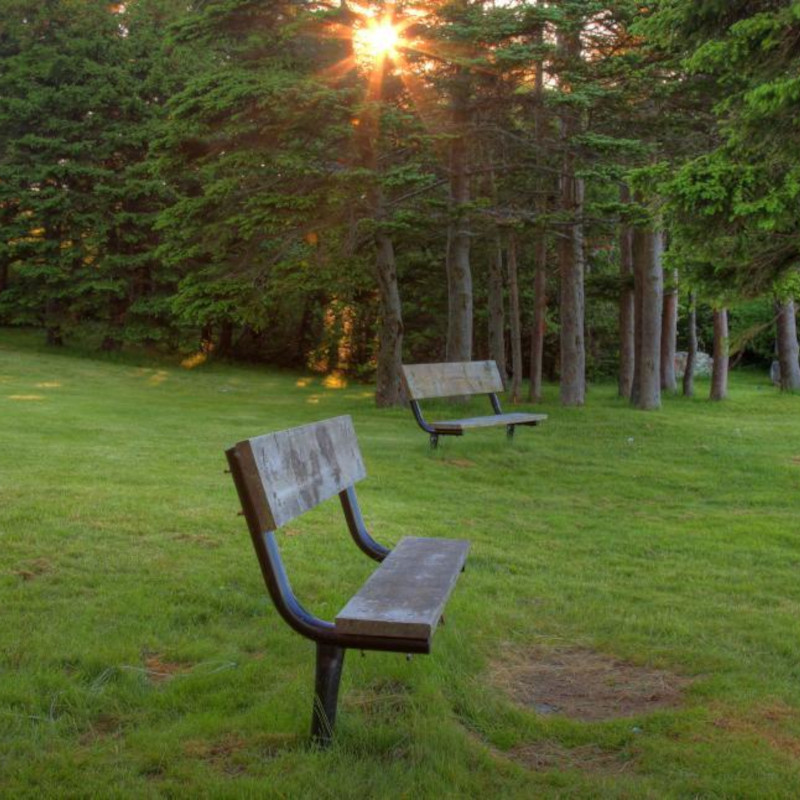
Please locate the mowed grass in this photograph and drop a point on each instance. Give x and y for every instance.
(141, 656)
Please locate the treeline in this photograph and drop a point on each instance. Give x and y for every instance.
(561, 186)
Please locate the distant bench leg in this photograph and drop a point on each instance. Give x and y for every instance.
(434, 440)
(330, 660)
(510, 431)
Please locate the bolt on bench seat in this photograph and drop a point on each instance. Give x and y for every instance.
(423, 381)
(280, 476)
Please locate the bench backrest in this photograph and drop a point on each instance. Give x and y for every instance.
(451, 379)
(288, 473)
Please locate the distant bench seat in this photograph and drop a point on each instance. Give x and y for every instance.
(461, 378)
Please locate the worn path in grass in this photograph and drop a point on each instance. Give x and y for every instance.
(140, 656)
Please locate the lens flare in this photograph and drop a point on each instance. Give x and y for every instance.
(377, 39)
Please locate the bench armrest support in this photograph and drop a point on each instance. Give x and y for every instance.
(419, 418)
(358, 530)
(495, 403)
(284, 598)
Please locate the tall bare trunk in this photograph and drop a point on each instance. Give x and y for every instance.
(540, 247)
(648, 279)
(669, 335)
(626, 305)
(787, 346)
(539, 316)
(570, 250)
(497, 344)
(719, 372)
(459, 275)
(388, 386)
(573, 352)
(691, 353)
(514, 313)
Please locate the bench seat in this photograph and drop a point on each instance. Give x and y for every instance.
(490, 420)
(404, 598)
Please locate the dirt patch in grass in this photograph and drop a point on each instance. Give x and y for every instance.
(198, 538)
(221, 754)
(29, 570)
(776, 725)
(104, 726)
(464, 463)
(231, 753)
(549, 755)
(585, 685)
(386, 699)
(159, 671)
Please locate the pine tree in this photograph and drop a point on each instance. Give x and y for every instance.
(84, 88)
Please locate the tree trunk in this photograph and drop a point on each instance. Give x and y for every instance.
(573, 352)
(497, 345)
(389, 388)
(540, 246)
(539, 316)
(516, 327)
(669, 335)
(691, 353)
(459, 275)
(719, 373)
(3, 277)
(648, 281)
(570, 250)
(626, 305)
(787, 346)
(388, 383)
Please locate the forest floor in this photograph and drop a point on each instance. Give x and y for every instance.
(628, 624)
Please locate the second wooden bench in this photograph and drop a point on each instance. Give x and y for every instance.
(460, 378)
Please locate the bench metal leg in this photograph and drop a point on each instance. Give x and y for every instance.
(330, 660)
(510, 431)
(434, 440)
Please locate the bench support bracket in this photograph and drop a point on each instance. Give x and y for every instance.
(330, 660)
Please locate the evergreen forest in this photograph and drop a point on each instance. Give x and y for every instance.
(576, 189)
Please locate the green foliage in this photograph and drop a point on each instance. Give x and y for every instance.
(735, 206)
(85, 89)
(219, 171)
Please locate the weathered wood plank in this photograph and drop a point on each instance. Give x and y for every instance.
(451, 379)
(489, 421)
(404, 598)
(300, 467)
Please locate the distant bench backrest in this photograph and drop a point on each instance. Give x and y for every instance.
(451, 379)
(287, 473)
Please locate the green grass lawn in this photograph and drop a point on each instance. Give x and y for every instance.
(141, 656)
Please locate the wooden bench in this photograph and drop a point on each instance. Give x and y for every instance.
(280, 476)
(460, 378)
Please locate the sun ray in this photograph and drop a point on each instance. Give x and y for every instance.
(338, 70)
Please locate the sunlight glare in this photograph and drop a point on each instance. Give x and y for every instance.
(376, 40)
